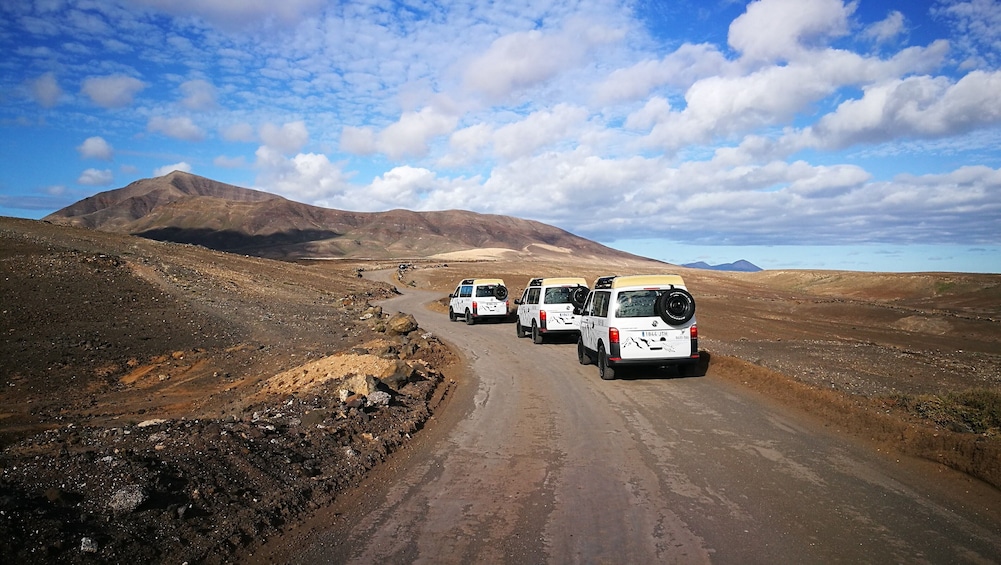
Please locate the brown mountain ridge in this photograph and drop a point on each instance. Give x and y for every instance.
(185, 208)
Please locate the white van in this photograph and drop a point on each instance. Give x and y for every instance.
(475, 299)
(547, 307)
(638, 320)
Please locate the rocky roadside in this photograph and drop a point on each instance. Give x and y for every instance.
(200, 490)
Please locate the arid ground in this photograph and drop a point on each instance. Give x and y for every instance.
(168, 403)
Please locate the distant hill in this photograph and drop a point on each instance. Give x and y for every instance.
(741, 266)
(186, 208)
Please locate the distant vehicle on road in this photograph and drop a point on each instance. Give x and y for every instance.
(547, 307)
(477, 299)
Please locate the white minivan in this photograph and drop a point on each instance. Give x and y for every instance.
(476, 299)
(638, 320)
(547, 307)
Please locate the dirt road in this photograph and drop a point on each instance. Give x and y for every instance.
(539, 461)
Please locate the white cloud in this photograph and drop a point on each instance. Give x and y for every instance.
(178, 128)
(230, 162)
(779, 30)
(306, 177)
(526, 58)
(287, 138)
(46, 91)
(678, 69)
(888, 29)
(410, 136)
(238, 132)
(167, 169)
(115, 91)
(95, 177)
(96, 148)
(538, 130)
(229, 14)
(913, 107)
(198, 95)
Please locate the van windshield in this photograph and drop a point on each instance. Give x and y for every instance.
(636, 303)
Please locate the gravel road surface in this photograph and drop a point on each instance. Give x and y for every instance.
(539, 461)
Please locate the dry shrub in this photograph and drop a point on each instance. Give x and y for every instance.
(891, 422)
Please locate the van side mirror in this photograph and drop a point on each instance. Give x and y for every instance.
(518, 301)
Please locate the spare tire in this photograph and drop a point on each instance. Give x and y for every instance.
(578, 296)
(500, 292)
(675, 306)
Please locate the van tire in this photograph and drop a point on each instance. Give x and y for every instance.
(536, 336)
(451, 315)
(676, 306)
(583, 357)
(606, 372)
(469, 318)
(519, 329)
(578, 296)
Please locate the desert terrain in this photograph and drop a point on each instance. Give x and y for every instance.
(165, 402)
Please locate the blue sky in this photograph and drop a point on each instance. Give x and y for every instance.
(792, 133)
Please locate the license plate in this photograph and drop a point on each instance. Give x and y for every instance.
(656, 334)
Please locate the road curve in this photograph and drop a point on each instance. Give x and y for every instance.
(546, 463)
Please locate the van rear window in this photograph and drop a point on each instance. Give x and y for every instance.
(485, 291)
(636, 303)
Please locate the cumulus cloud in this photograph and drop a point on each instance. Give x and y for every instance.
(306, 177)
(287, 138)
(198, 95)
(115, 91)
(178, 128)
(885, 30)
(780, 30)
(95, 177)
(238, 132)
(921, 106)
(522, 59)
(45, 90)
(167, 169)
(678, 69)
(96, 148)
(538, 130)
(410, 136)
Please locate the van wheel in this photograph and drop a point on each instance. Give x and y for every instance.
(536, 336)
(582, 355)
(500, 292)
(469, 318)
(451, 315)
(676, 306)
(519, 329)
(604, 371)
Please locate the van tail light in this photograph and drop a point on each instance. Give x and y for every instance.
(542, 320)
(475, 305)
(695, 331)
(613, 335)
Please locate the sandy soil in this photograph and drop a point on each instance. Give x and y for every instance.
(167, 403)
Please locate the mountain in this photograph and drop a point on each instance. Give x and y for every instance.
(186, 208)
(739, 266)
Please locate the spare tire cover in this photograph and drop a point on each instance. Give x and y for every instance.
(500, 292)
(675, 306)
(578, 296)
